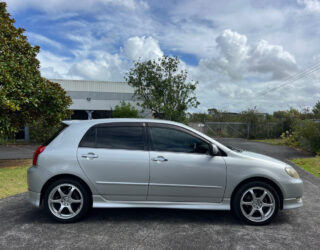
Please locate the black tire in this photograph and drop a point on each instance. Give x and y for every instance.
(80, 208)
(243, 192)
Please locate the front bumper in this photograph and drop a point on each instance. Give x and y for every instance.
(293, 190)
(292, 203)
(34, 198)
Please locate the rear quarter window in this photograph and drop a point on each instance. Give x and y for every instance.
(58, 132)
(89, 139)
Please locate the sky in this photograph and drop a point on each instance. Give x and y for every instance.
(244, 54)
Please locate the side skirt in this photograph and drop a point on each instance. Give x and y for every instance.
(100, 202)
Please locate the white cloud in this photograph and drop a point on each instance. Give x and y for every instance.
(235, 78)
(88, 63)
(112, 67)
(238, 59)
(56, 6)
(53, 66)
(312, 6)
(233, 54)
(144, 48)
(268, 58)
(233, 46)
(40, 39)
(234, 91)
(104, 66)
(187, 36)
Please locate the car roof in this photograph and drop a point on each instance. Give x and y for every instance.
(112, 120)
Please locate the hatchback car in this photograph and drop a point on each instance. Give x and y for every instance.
(116, 163)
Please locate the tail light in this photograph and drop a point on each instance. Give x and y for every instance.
(38, 151)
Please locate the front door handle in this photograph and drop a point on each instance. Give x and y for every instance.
(90, 156)
(159, 159)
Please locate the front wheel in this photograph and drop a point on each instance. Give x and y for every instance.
(66, 200)
(256, 203)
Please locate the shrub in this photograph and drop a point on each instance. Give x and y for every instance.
(307, 134)
(125, 110)
(290, 139)
(40, 132)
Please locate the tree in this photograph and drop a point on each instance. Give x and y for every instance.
(253, 118)
(316, 110)
(161, 87)
(200, 117)
(25, 96)
(125, 110)
(287, 118)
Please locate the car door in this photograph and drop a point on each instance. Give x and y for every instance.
(115, 158)
(181, 167)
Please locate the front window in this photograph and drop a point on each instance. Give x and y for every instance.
(172, 140)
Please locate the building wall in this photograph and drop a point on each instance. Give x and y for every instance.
(97, 96)
(94, 86)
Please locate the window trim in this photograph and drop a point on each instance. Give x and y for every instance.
(174, 127)
(117, 124)
(148, 145)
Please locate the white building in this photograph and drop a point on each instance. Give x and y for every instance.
(97, 99)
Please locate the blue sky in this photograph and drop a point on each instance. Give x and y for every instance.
(243, 53)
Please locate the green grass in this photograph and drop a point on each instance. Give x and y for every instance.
(13, 177)
(312, 165)
(277, 141)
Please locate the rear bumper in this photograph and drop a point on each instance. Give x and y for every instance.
(37, 177)
(292, 203)
(34, 198)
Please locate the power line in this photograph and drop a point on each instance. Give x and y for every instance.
(294, 78)
(290, 79)
(289, 82)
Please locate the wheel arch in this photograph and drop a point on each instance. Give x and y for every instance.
(61, 176)
(264, 179)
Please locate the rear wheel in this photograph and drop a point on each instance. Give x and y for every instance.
(256, 203)
(66, 200)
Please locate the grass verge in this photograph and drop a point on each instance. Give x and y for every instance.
(277, 141)
(13, 177)
(312, 165)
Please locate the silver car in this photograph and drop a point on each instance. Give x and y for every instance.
(116, 163)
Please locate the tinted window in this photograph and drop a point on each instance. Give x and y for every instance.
(55, 134)
(167, 139)
(89, 139)
(116, 137)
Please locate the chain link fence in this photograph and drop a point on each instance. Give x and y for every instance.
(239, 129)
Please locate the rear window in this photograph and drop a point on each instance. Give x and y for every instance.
(115, 137)
(55, 134)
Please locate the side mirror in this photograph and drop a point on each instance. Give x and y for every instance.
(214, 149)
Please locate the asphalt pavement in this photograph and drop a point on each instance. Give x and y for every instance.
(13, 151)
(25, 227)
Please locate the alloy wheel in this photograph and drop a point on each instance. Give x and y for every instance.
(257, 204)
(65, 201)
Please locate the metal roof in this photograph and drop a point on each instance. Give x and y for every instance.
(94, 86)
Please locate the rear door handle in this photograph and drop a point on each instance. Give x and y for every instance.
(90, 156)
(159, 159)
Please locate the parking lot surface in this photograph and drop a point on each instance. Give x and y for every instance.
(17, 151)
(25, 227)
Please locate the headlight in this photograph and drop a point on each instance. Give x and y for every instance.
(293, 173)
